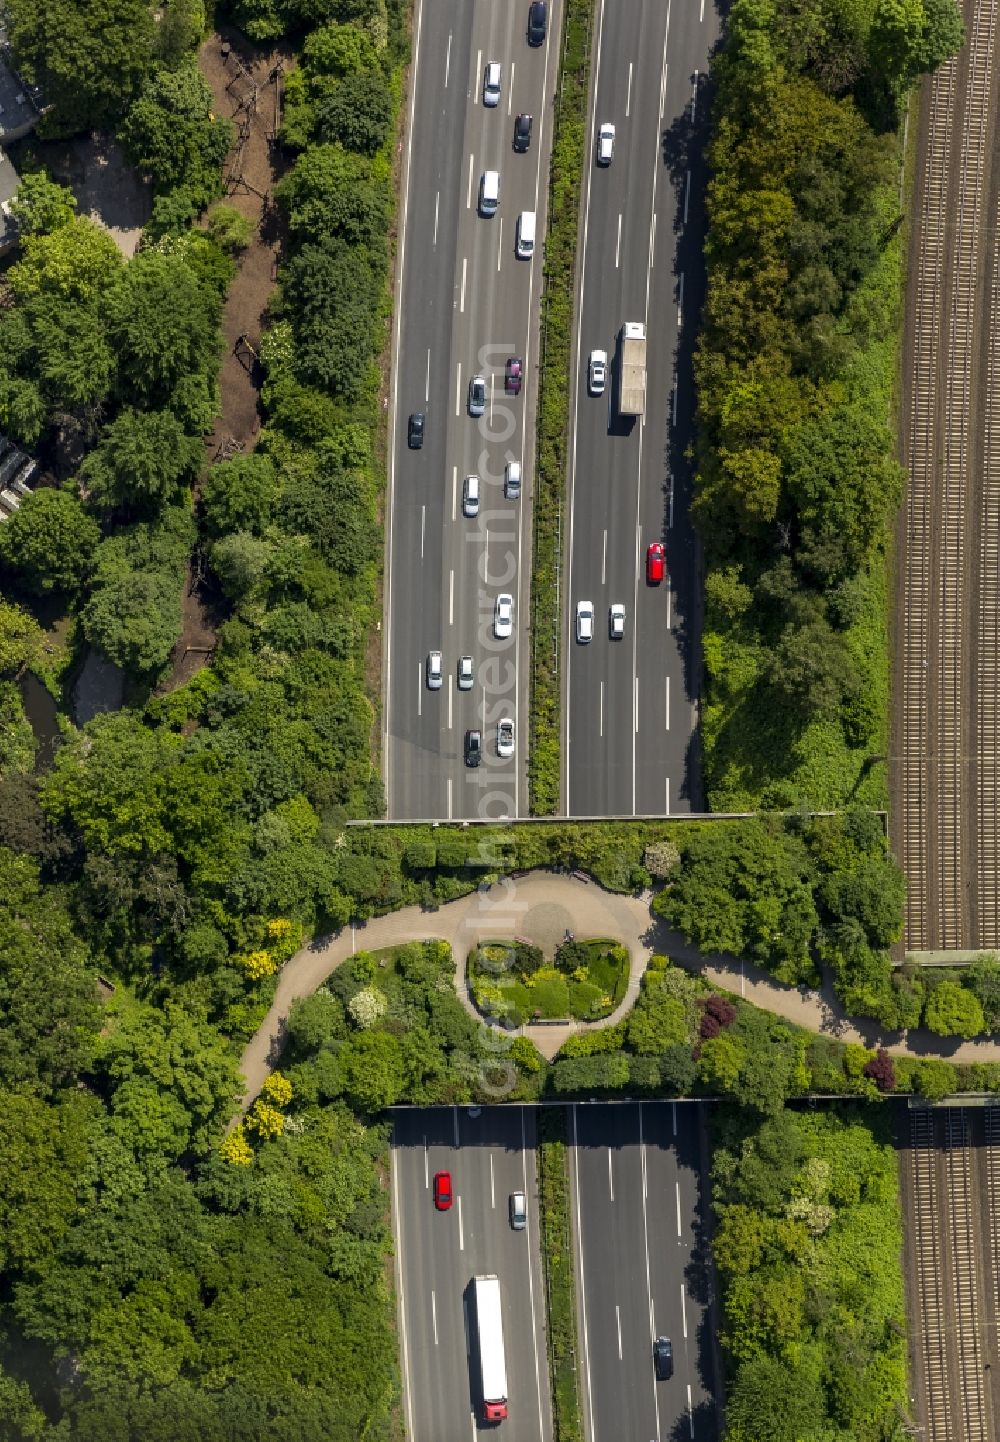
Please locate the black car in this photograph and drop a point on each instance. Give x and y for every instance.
(415, 431)
(473, 748)
(522, 133)
(537, 20)
(663, 1358)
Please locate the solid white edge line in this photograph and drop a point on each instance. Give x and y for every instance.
(434, 1316)
(649, 1285)
(531, 1280)
(398, 1233)
(677, 1191)
(611, 1180)
(420, 688)
(394, 361)
(461, 1229)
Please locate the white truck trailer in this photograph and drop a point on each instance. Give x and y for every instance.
(492, 1362)
(632, 369)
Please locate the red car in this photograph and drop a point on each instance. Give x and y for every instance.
(512, 376)
(442, 1191)
(656, 563)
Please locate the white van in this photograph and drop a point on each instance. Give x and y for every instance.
(525, 234)
(489, 192)
(512, 480)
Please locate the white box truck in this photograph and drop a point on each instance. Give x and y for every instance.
(632, 369)
(492, 1362)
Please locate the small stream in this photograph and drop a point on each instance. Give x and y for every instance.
(42, 712)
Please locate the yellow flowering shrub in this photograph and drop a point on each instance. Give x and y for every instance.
(265, 1120)
(277, 1089)
(258, 964)
(236, 1150)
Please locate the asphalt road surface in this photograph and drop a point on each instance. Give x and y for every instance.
(464, 304)
(438, 1254)
(629, 712)
(640, 1252)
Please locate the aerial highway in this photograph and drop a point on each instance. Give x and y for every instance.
(465, 305)
(488, 1154)
(629, 705)
(640, 1257)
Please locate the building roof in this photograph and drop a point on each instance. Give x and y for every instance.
(18, 108)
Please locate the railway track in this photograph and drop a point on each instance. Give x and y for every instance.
(945, 776)
(953, 1183)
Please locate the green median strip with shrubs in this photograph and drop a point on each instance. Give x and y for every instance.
(565, 176)
(560, 1284)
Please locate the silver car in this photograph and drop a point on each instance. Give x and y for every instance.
(505, 738)
(477, 396)
(466, 673)
(491, 84)
(616, 621)
(518, 1210)
(435, 674)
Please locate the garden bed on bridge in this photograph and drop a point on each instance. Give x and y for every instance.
(512, 983)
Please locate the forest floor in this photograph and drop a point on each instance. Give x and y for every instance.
(249, 174)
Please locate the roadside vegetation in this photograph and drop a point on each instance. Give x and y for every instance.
(797, 479)
(807, 1243)
(569, 144)
(159, 1280)
(560, 1281)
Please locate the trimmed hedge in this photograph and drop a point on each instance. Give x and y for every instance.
(560, 1284)
(554, 389)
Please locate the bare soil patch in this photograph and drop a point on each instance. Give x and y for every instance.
(245, 81)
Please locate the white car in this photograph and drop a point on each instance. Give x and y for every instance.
(597, 372)
(606, 143)
(616, 621)
(505, 738)
(466, 673)
(435, 674)
(477, 395)
(491, 84)
(503, 616)
(584, 621)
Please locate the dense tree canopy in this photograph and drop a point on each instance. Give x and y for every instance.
(50, 542)
(173, 136)
(796, 475)
(88, 55)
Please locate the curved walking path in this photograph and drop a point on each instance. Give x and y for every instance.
(540, 907)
